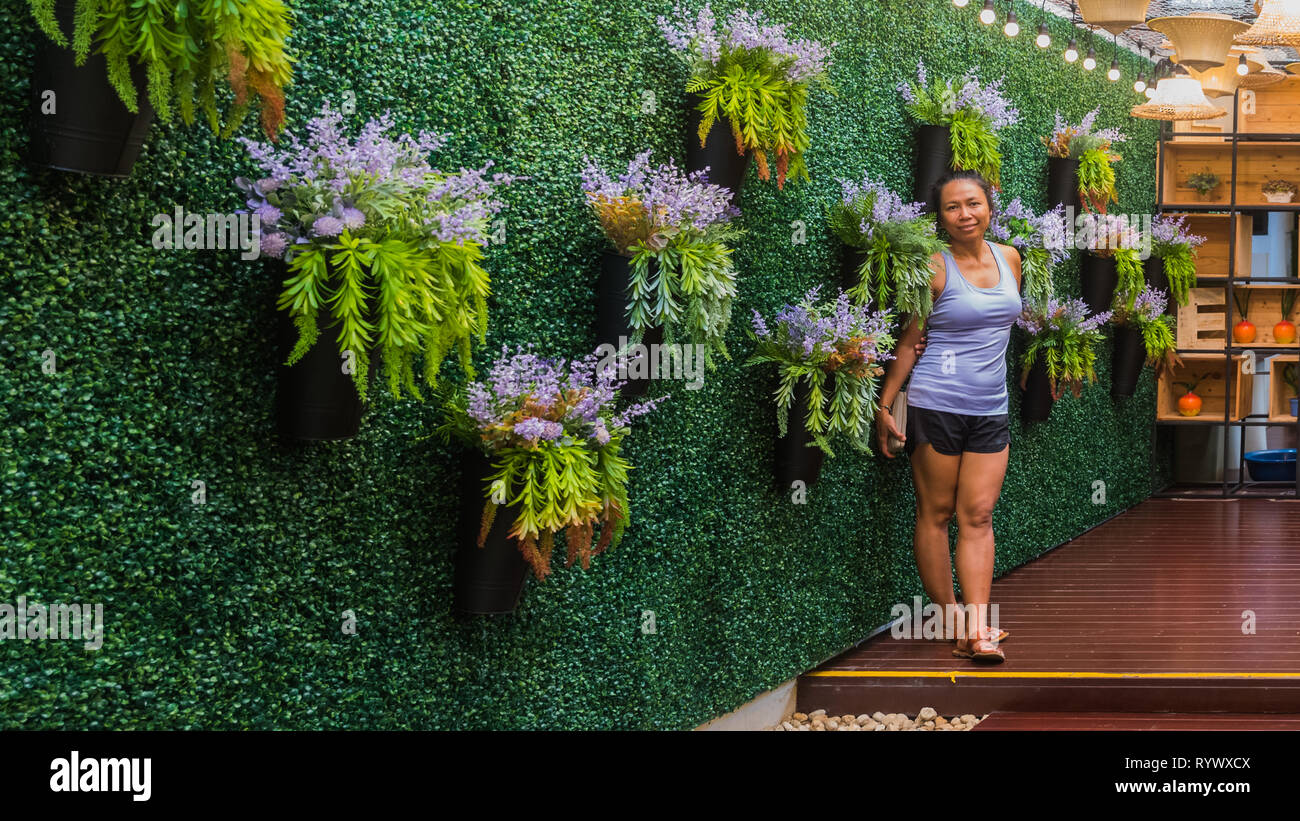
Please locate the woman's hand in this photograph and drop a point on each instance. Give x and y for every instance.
(885, 427)
(919, 347)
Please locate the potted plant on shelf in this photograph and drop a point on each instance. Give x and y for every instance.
(889, 245)
(1061, 352)
(1291, 376)
(95, 121)
(828, 356)
(1189, 404)
(544, 442)
(1244, 330)
(670, 271)
(382, 250)
(1284, 330)
(1279, 190)
(748, 92)
(1204, 182)
(1039, 239)
(1143, 334)
(959, 127)
(1172, 264)
(1080, 164)
(1112, 263)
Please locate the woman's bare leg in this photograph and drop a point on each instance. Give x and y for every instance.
(934, 475)
(979, 484)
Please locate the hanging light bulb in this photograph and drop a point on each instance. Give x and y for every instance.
(987, 15)
(1072, 51)
(1149, 92)
(1140, 84)
(961, 4)
(1012, 28)
(1090, 62)
(1113, 74)
(1043, 40)
(1242, 68)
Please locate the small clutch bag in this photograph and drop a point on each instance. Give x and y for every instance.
(899, 411)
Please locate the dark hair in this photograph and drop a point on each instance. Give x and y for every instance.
(952, 176)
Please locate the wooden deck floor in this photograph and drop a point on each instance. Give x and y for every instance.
(1144, 613)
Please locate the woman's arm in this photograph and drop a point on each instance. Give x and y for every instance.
(906, 353)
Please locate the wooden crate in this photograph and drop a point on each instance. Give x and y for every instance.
(1202, 322)
(1256, 162)
(1212, 255)
(1213, 390)
(1277, 109)
(1265, 311)
(1279, 392)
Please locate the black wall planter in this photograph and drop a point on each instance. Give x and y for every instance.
(853, 259)
(1127, 356)
(1036, 403)
(795, 460)
(315, 399)
(611, 312)
(726, 167)
(933, 160)
(1153, 271)
(1063, 183)
(1098, 277)
(488, 579)
(89, 131)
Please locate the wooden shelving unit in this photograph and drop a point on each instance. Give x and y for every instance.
(1264, 144)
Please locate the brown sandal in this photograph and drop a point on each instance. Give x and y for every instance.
(980, 650)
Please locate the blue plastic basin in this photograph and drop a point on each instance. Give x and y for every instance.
(1271, 465)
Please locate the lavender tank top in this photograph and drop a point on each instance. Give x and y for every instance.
(964, 367)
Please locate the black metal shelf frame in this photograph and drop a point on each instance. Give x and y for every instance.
(1229, 489)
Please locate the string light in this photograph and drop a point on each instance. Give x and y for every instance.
(1072, 51)
(1242, 68)
(961, 4)
(1140, 84)
(1113, 74)
(1012, 28)
(1090, 62)
(987, 15)
(1044, 39)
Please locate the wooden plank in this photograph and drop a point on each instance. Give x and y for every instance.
(1279, 393)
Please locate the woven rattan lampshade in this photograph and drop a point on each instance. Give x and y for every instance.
(1201, 40)
(1260, 79)
(1114, 15)
(1294, 68)
(1278, 24)
(1178, 98)
(1217, 82)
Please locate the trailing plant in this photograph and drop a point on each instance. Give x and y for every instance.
(833, 340)
(683, 223)
(754, 75)
(897, 239)
(1113, 236)
(1279, 187)
(1063, 335)
(1096, 174)
(389, 245)
(1203, 181)
(187, 49)
(1148, 316)
(553, 438)
(1040, 240)
(972, 113)
(1291, 376)
(1176, 248)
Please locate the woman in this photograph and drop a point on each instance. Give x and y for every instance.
(958, 436)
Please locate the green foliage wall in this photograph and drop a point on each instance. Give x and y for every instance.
(227, 614)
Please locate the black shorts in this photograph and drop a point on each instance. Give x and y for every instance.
(952, 433)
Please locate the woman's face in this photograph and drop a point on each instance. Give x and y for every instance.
(964, 210)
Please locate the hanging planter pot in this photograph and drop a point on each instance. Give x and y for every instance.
(726, 167)
(76, 120)
(1036, 403)
(1153, 271)
(611, 318)
(1063, 183)
(853, 259)
(488, 579)
(933, 159)
(1098, 277)
(795, 459)
(1127, 357)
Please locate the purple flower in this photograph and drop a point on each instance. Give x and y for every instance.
(327, 226)
(353, 218)
(536, 428)
(273, 245)
(267, 213)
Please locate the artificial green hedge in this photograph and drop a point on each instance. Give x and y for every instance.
(228, 614)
